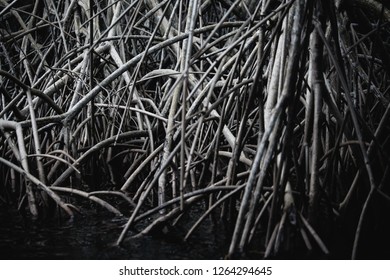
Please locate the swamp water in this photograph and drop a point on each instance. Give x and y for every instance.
(92, 237)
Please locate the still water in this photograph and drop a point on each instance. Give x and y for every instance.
(92, 237)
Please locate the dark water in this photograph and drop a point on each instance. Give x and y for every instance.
(92, 237)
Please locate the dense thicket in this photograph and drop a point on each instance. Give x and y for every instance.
(273, 115)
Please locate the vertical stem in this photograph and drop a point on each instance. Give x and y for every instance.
(316, 48)
(191, 20)
(267, 143)
(22, 155)
(37, 144)
(91, 86)
(91, 68)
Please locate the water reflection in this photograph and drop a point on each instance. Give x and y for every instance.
(92, 236)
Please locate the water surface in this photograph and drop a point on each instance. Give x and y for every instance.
(92, 237)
